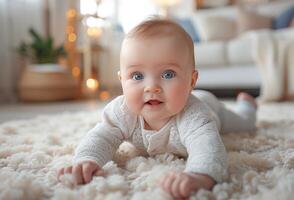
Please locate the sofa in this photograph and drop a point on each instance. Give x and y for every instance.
(224, 49)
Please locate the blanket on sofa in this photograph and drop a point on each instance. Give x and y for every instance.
(261, 163)
(275, 58)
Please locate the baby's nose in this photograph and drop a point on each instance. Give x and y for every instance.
(153, 89)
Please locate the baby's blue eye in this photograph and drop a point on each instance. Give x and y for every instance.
(137, 76)
(169, 74)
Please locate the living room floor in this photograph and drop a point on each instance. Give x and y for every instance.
(261, 163)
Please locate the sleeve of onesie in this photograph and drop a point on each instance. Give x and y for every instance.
(200, 136)
(103, 140)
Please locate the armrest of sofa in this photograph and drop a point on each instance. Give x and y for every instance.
(273, 49)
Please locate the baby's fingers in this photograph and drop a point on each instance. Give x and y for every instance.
(59, 173)
(64, 170)
(99, 172)
(166, 182)
(68, 170)
(185, 188)
(175, 188)
(77, 172)
(89, 170)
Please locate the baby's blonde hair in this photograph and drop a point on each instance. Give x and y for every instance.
(155, 26)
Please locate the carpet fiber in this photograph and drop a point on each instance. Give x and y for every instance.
(261, 164)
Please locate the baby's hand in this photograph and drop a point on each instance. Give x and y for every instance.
(82, 172)
(181, 184)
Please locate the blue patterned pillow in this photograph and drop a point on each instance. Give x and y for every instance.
(284, 19)
(187, 24)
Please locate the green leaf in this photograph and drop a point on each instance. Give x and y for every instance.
(41, 49)
(23, 49)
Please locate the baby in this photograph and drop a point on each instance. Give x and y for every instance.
(157, 112)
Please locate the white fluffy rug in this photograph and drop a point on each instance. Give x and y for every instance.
(261, 164)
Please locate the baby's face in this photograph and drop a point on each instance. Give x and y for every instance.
(156, 76)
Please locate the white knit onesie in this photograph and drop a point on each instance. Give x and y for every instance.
(192, 133)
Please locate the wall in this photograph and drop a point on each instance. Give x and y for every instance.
(5, 73)
(16, 16)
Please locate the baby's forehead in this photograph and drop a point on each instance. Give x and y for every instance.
(172, 41)
(172, 49)
(160, 35)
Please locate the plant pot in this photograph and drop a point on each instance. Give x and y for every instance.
(47, 82)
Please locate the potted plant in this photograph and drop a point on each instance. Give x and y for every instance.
(43, 79)
(41, 49)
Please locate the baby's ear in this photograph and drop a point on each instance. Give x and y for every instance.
(194, 78)
(118, 75)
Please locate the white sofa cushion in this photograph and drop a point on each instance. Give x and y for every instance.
(210, 54)
(239, 51)
(216, 28)
(224, 77)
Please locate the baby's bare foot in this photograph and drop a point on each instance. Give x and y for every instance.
(243, 96)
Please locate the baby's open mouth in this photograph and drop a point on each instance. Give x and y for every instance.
(153, 102)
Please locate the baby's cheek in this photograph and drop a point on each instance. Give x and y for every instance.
(178, 97)
(133, 102)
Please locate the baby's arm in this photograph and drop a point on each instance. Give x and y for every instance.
(205, 166)
(182, 184)
(92, 153)
(207, 159)
(100, 144)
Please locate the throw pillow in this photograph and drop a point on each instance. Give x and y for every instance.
(216, 28)
(284, 19)
(251, 20)
(189, 28)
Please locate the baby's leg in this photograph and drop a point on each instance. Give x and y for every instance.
(212, 102)
(241, 118)
(209, 99)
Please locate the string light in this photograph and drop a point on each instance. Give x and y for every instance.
(92, 84)
(70, 43)
(71, 13)
(94, 32)
(104, 95)
(76, 72)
